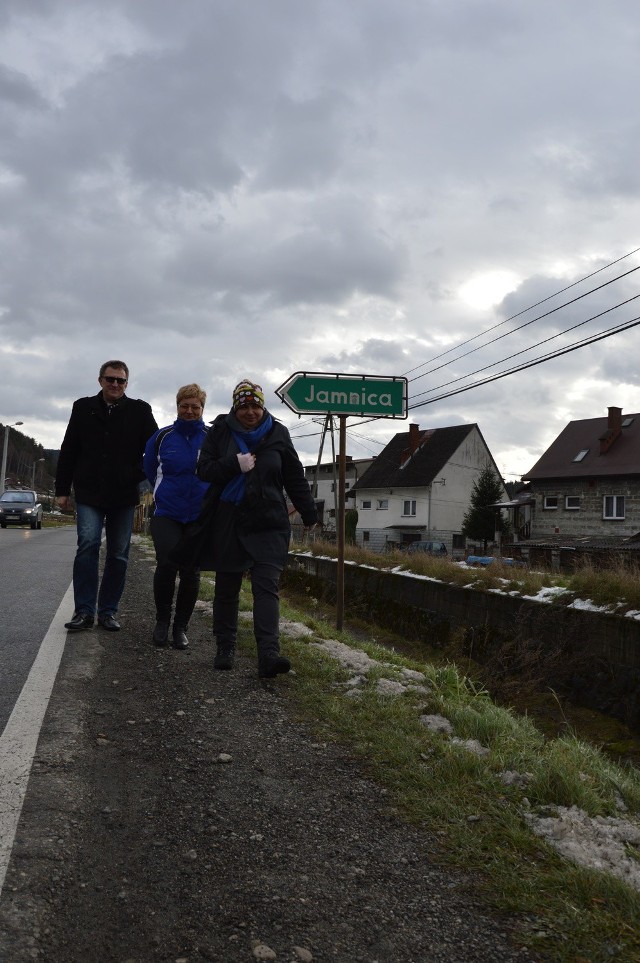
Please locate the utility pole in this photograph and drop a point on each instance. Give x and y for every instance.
(33, 472)
(3, 472)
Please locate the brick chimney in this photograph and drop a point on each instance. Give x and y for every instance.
(614, 428)
(414, 444)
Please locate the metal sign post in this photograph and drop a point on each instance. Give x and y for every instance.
(342, 466)
(365, 396)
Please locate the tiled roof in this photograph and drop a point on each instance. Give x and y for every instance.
(438, 445)
(622, 458)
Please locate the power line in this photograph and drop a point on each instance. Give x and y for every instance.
(536, 361)
(532, 321)
(520, 313)
(531, 347)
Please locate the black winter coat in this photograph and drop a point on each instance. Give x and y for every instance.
(101, 453)
(258, 528)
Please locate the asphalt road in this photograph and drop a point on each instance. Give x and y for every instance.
(35, 572)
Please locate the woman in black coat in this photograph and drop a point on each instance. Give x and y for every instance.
(250, 460)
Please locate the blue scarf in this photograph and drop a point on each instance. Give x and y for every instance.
(188, 428)
(246, 441)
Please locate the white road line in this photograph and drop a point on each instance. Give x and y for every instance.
(19, 740)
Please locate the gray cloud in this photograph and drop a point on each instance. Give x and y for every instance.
(211, 190)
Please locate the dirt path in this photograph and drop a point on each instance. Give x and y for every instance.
(178, 814)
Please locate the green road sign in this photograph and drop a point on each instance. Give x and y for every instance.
(318, 393)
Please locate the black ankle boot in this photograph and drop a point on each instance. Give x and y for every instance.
(272, 664)
(160, 635)
(180, 640)
(224, 657)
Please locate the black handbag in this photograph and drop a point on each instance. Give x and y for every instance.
(195, 546)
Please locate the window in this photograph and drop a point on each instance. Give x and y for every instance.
(383, 504)
(627, 422)
(365, 536)
(409, 506)
(550, 501)
(365, 504)
(613, 506)
(581, 454)
(572, 502)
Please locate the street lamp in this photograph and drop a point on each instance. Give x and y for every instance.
(3, 473)
(33, 471)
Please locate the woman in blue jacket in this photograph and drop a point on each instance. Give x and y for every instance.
(170, 460)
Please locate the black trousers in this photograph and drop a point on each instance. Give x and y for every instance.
(166, 533)
(266, 607)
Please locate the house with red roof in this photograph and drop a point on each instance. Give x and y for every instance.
(587, 483)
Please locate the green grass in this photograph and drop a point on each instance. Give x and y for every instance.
(57, 521)
(567, 913)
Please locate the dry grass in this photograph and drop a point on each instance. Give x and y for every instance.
(605, 586)
(617, 586)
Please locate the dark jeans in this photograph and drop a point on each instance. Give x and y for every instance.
(166, 533)
(266, 607)
(117, 524)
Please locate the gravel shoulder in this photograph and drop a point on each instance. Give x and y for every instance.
(175, 813)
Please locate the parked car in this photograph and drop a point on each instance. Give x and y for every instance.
(491, 559)
(429, 548)
(20, 508)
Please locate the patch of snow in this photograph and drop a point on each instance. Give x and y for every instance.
(437, 723)
(422, 578)
(390, 687)
(294, 629)
(600, 842)
(471, 745)
(348, 657)
(548, 594)
(511, 778)
(586, 605)
(412, 675)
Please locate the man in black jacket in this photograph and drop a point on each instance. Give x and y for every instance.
(101, 457)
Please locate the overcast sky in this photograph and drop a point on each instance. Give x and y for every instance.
(213, 189)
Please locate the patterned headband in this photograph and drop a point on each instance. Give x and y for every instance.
(247, 393)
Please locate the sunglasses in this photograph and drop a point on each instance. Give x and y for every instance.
(113, 380)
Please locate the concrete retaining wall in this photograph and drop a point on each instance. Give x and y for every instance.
(602, 667)
(610, 637)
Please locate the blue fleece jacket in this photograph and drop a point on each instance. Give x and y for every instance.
(170, 459)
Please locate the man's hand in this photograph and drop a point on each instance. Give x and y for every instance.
(64, 503)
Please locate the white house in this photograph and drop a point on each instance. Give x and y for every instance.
(420, 487)
(323, 480)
